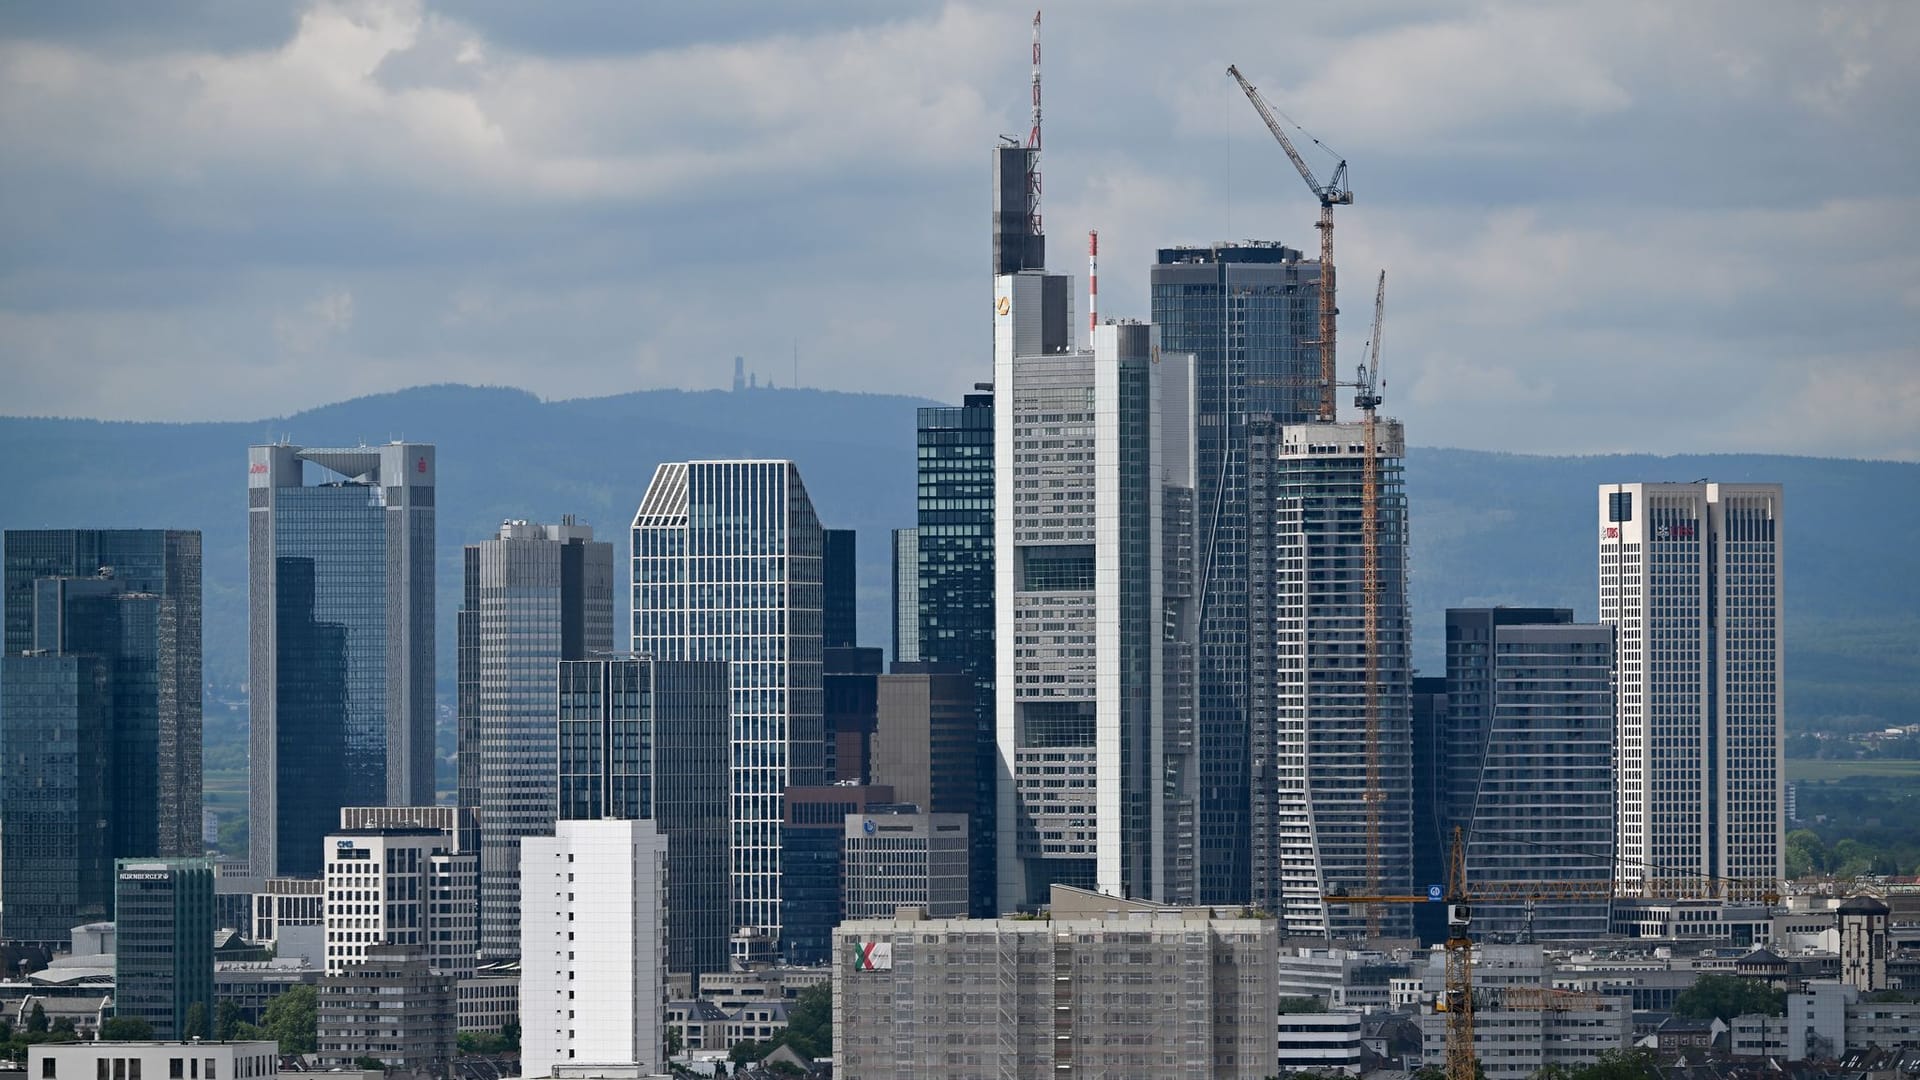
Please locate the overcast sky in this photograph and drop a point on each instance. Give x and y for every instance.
(1620, 225)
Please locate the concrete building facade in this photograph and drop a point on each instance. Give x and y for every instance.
(394, 1006)
(899, 857)
(401, 885)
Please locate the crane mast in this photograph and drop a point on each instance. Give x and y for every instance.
(1368, 399)
(1334, 193)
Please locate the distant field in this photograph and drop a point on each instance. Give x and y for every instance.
(1810, 769)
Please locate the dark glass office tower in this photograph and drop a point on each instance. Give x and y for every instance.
(534, 595)
(163, 965)
(839, 589)
(812, 852)
(648, 739)
(340, 618)
(954, 544)
(1246, 312)
(851, 686)
(91, 703)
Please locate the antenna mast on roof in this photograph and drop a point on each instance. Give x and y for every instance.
(1033, 140)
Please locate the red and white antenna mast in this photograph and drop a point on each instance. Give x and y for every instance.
(1093, 283)
(1033, 139)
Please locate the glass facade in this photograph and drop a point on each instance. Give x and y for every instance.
(1247, 314)
(727, 567)
(534, 596)
(840, 589)
(163, 962)
(906, 596)
(643, 739)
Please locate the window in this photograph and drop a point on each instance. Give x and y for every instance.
(176, 1068)
(46, 1067)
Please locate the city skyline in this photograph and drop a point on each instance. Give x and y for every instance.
(1521, 145)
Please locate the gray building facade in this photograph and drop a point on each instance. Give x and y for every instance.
(341, 657)
(533, 596)
(393, 1007)
(898, 857)
(648, 739)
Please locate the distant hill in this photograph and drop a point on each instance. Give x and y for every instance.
(1487, 528)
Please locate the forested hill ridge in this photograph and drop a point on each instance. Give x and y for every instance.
(1487, 528)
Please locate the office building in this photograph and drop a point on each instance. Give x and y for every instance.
(906, 595)
(394, 1006)
(253, 1060)
(1093, 482)
(950, 583)
(1527, 1016)
(341, 654)
(287, 902)
(163, 950)
(1431, 835)
(401, 884)
(812, 856)
(94, 715)
(1018, 242)
(1314, 828)
(726, 567)
(839, 589)
(923, 742)
(1036, 998)
(533, 596)
(648, 739)
(850, 686)
(1690, 577)
(1528, 752)
(898, 857)
(1863, 924)
(1247, 314)
(593, 965)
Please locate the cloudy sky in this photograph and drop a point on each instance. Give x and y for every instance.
(1617, 225)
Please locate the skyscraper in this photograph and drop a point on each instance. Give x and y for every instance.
(97, 720)
(340, 620)
(1314, 826)
(1528, 750)
(593, 948)
(951, 578)
(840, 588)
(647, 739)
(726, 566)
(163, 965)
(1247, 314)
(534, 595)
(1093, 456)
(1690, 576)
(906, 595)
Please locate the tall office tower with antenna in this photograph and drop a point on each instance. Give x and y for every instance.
(1246, 313)
(1690, 575)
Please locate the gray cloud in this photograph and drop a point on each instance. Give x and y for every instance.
(1622, 226)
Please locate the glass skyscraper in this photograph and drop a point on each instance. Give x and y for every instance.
(534, 595)
(648, 739)
(727, 567)
(341, 654)
(101, 711)
(1247, 314)
(163, 963)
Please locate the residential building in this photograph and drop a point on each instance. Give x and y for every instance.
(839, 589)
(1093, 482)
(1316, 749)
(812, 856)
(100, 713)
(593, 947)
(1526, 1022)
(1035, 998)
(533, 596)
(195, 1060)
(163, 951)
(1321, 1041)
(401, 885)
(726, 567)
(1690, 574)
(1246, 312)
(900, 857)
(648, 739)
(341, 655)
(1528, 752)
(951, 579)
(906, 595)
(394, 1006)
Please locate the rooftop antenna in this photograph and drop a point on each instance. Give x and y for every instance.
(1093, 283)
(1033, 139)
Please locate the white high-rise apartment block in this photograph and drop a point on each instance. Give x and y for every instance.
(593, 950)
(1690, 574)
(727, 566)
(1093, 481)
(401, 884)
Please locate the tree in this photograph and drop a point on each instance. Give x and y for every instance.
(37, 1019)
(369, 1064)
(226, 1020)
(1307, 1004)
(293, 1019)
(126, 1029)
(809, 1023)
(196, 1025)
(1727, 996)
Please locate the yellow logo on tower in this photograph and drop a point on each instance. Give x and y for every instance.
(1005, 305)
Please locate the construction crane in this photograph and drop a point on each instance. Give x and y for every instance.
(1367, 399)
(1331, 194)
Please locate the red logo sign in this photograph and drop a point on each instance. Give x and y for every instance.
(420, 465)
(1613, 532)
(256, 468)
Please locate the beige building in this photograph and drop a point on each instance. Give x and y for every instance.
(1098, 987)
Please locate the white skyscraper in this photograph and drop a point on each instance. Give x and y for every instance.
(1093, 485)
(593, 950)
(727, 567)
(1690, 574)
